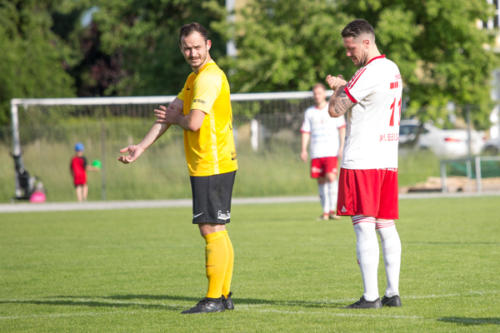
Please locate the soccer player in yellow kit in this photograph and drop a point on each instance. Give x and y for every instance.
(203, 110)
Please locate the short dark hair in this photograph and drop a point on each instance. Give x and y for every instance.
(319, 85)
(358, 27)
(189, 28)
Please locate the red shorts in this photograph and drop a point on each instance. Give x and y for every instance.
(80, 179)
(322, 165)
(371, 192)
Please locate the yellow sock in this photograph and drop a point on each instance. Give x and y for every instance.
(216, 256)
(226, 287)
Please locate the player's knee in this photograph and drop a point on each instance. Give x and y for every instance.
(208, 228)
(331, 177)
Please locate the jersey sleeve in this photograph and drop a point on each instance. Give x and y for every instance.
(180, 95)
(207, 87)
(362, 84)
(306, 125)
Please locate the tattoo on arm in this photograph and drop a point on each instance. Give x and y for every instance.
(340, 103)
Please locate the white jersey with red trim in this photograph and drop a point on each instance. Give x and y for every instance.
(324, 131)
(372, 131)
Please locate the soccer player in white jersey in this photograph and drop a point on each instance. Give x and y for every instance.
(326, 137)
(368, 186)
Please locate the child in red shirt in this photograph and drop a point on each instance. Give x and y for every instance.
(79, 168)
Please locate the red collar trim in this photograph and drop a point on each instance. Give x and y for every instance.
(375, 58)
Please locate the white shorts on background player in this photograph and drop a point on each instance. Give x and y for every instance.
(324, 131)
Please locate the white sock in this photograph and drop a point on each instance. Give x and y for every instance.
(391, 246)
(323, 197)
(368, 255)
(332, 194)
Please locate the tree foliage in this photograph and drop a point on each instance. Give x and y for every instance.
(131, 47)
(284, 45)
(442, 54)
(144, 36)
(34, 59)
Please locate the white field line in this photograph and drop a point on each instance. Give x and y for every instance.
(107, 205)
(264, 308)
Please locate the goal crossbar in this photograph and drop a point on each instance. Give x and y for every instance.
(155, 99)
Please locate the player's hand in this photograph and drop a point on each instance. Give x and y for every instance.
(131, 154)
(167, 115)
(304, 156)
(334, 82)
(161, 114)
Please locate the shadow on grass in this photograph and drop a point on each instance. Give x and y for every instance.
(237, 301)
(124, 301)
(77, 301)
(471, 321)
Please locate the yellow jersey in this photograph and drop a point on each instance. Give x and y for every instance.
(210, 150)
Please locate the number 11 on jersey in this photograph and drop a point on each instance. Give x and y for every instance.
(393, 110)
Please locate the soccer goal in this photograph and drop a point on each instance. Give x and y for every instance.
(44, 132)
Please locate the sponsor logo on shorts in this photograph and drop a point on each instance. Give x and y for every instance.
(197, 215)
(315, 169)
(223, 216)
(343, 210)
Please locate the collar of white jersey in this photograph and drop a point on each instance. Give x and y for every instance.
(375, 58)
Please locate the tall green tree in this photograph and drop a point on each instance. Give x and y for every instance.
(284, 45)
(34, 59)
(143, 37)
(442, 53)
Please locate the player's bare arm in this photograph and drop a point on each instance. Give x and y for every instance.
(132, 152)
(173, 110)
(341, 143)
(192, 121)
(339, 103)
(160, 126)
(305, 143)
(173, 115)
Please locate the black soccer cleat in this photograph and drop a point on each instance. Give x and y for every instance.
(364, 304)
(207, 305)
(391, 301)
(228, 302)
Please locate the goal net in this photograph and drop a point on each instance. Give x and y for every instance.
(45, 131)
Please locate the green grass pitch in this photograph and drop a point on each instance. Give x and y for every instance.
(135, 270)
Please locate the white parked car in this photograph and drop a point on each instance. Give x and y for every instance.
(444, 143)
(492, 146)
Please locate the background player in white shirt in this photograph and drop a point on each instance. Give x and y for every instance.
(326, 137)
(368, 186)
